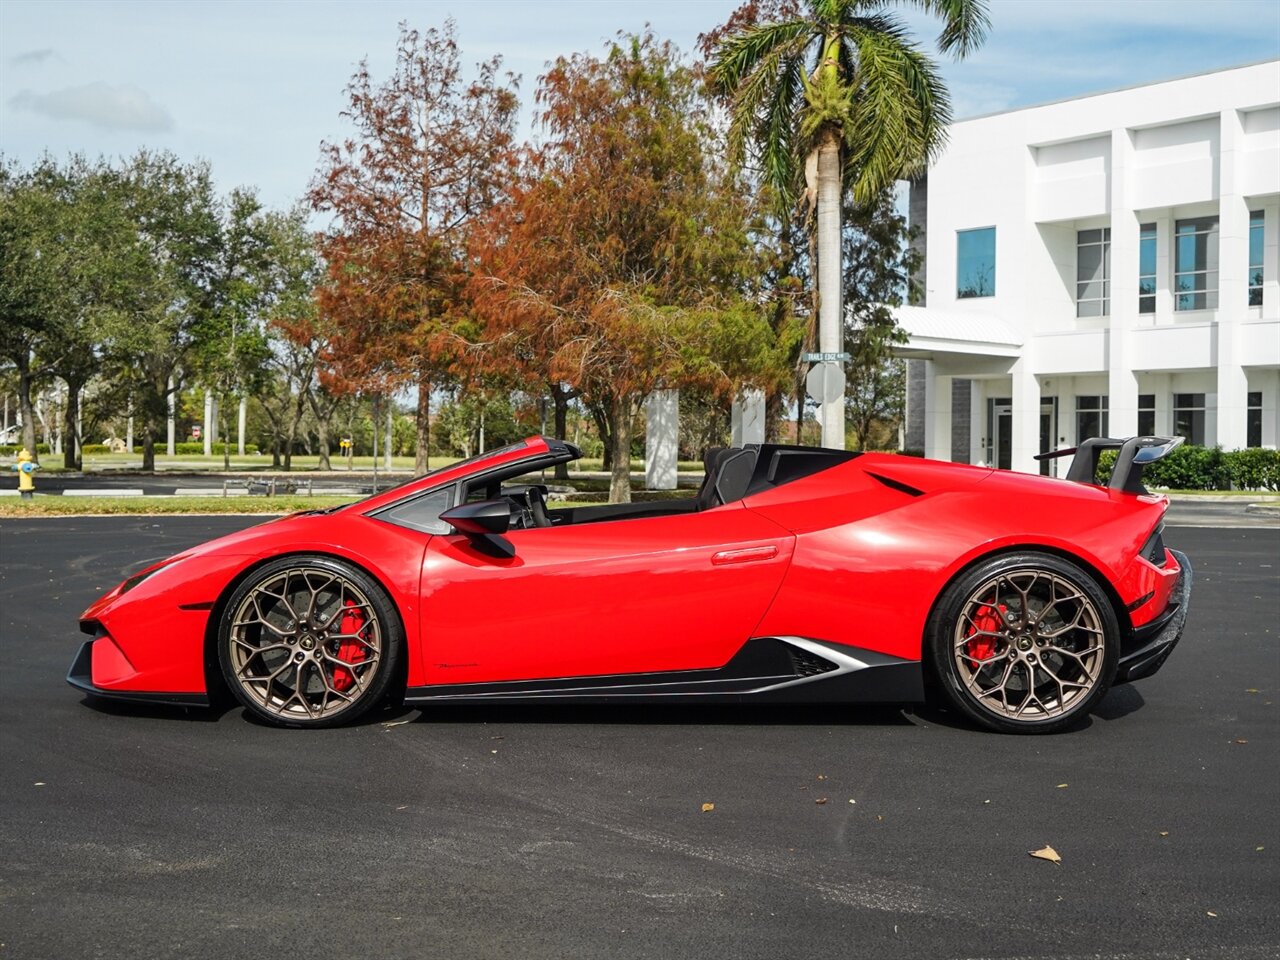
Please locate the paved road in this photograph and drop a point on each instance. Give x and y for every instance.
(555, 832)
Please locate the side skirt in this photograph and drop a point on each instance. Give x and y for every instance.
(766, 669)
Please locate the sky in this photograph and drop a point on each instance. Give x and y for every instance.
(255, 87)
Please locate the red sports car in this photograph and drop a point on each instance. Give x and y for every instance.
(796, 574)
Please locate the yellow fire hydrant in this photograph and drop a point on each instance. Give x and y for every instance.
(26, 467)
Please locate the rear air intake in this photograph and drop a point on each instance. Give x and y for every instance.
(896, 485)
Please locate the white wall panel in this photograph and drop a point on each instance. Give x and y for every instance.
(1079, 352)
(1175, 347)
(1260, 343)
(1072, 179)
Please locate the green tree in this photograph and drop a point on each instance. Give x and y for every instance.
(169, 291)
(878, 266)
(300, 335)
(230, 343)
(29, 266)
(63, 237)
(836, 88)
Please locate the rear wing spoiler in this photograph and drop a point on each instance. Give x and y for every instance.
(1135, 453)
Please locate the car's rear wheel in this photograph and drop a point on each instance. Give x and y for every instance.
(1024, 643)
(309, 641)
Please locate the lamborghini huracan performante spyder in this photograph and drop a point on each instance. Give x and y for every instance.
(796, 574)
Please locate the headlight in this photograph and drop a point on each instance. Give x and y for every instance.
(138, 577)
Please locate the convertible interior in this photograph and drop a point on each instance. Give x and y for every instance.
(731, 474)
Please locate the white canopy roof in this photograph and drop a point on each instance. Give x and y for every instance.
(932, 331)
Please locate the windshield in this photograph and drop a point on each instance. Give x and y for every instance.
(469, 461)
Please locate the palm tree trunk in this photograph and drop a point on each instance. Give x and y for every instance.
(830, 281)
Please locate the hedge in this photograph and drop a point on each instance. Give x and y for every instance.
(11, 449)
(1254, 469)
(197, 447)
(1206, 468)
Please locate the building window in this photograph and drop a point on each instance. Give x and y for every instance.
(1093, 273)
(1255, 258)
(976, 263)
(1147, 268)
(1253, 425)
(1188, 417)
(1195, 280)
(1146, 414)
(1091, 417)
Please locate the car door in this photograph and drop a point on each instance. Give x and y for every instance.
(639, 595)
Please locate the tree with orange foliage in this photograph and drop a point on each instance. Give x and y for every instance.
(621, 262)
(426, 158)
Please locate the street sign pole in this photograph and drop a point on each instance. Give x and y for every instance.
(825, 384)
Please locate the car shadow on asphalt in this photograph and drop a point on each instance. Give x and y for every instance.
(1119, 702)
(662, 715)
(157, 711)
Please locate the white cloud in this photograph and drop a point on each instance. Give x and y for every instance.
(976, 99)
(33, 56)
(123, 107)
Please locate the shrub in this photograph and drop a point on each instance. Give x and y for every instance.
(1206, 468)
(1253, 469)
(1106, 463)
(11, 449)
(1189, 468)
(89, 448)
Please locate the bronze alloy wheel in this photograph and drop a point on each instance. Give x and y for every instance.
(308, 641)
(1025, 643)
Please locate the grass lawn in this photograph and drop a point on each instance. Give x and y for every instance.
(1251, 494)
(56, 506)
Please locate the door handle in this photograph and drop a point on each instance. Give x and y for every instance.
(744, 555)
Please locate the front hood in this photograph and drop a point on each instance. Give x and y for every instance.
(252, 540)
(233, 549)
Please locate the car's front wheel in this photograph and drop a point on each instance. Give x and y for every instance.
(309, 641)
(1024, 643)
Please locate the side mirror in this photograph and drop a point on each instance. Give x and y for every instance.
(484, 524)
(479, 519)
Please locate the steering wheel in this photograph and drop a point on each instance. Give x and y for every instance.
(538, 507)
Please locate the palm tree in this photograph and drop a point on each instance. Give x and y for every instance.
(840, 88)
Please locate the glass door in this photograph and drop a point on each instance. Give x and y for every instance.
(1049, 435)
(1000, 450)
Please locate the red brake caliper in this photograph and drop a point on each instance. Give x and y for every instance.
(987, 620)
(350, 650)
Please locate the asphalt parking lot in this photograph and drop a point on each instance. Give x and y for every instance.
(579, 832)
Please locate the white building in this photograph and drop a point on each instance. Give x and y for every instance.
(1102, 266)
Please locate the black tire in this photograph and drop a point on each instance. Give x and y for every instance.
(310, 641)
(1023, 643)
